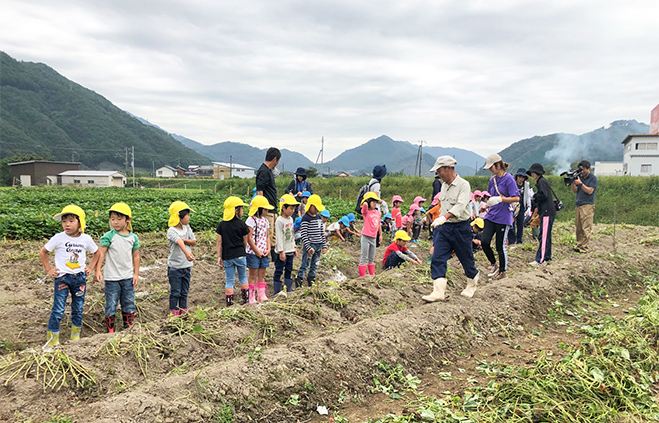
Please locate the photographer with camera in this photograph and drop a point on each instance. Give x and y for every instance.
(584, 185)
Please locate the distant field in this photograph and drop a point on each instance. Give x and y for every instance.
(26, 213)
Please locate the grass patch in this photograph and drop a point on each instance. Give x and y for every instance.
(328, 294)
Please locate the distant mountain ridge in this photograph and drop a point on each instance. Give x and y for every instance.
(244, 154)
(560, 150)
(399, 156)
(45, 113)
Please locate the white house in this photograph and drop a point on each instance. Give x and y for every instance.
(608, 169)
(166, 172)
(227, 170)
(92, 178)
(641, 155)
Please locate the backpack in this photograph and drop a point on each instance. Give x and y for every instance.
(360, 196)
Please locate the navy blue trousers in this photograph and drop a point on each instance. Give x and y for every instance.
(448, 238)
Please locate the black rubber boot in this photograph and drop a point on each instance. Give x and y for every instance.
(310, 281)
(229, 300)
(298, 282)
(245, 295)
(128, 319)
(109, 323)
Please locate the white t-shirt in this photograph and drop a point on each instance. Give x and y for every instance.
(70, 252)
(334, 227)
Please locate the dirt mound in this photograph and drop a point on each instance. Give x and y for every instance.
(313, 346)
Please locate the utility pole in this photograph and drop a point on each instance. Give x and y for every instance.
(320, 156)
(230, 165)
(126, 160)
(419, 159)
(132, 163)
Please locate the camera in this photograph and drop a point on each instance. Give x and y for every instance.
(569, 177)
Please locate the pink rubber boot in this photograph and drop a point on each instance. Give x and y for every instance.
(371, 269)
(362, 270)
(261, 287)
(252, 293)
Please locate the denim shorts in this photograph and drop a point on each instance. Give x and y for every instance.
(254, 262)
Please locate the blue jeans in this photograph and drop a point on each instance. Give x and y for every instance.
(179, 284)
(285, 268)
(119, 290)
(76, 284)
(231, 267)
(448, 238)
(312, 263)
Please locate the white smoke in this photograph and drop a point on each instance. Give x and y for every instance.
(570, 147)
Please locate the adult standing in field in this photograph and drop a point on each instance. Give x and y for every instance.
(543, 200)
(584, 186)
(499, 216)
(523, 208)
(375, 185)
(265, 186)
(436, 187)
(451, 230)
(299, 184)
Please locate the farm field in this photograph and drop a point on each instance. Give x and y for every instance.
(367, 349)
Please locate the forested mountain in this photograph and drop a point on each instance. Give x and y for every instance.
(43, 112)
(560, 150)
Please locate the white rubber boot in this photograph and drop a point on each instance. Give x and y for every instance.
(439, 289)
(472, 284)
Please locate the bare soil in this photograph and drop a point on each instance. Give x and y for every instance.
(319, 344)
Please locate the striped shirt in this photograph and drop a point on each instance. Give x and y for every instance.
(311, 230)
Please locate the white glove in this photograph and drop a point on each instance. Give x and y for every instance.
(493, 201)
(439, 221)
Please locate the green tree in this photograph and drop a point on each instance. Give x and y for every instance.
(312, 172)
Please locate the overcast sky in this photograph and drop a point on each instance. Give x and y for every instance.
(478, 75)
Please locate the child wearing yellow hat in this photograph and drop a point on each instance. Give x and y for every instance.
(313, 238)
(397, 253)
(285, 249)
(120, 251)
(179, 263)
(232, 235)
(258, 247)
(70, 272)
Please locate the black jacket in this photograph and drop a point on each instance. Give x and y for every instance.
(544, 198)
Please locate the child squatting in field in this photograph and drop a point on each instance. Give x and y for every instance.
(231, 246)
(179, 262)
(120, 249)
(70, 272)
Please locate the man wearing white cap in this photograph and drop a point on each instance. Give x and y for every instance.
(452, 231)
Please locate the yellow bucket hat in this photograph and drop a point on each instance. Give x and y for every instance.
(402, 235)
(314, 200)
(479, 222)
(259, 202)
(230, 205)
(370, 195)
(124, 209)
(174, 209)
(287, 199)
(72, 209)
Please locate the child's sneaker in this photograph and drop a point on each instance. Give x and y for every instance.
(53, 341)
(493, 268)
(499, 275)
